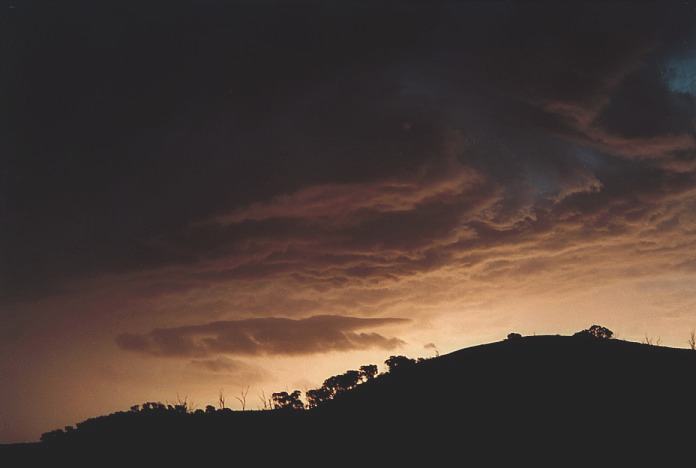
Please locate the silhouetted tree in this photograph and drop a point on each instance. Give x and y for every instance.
(595, 331)
(210, 409)
(242, 397)
(343, 382)
(514, 336)
(317, 396)
(182, 406)
(350, 379)
(153, 406)
(53, 436)
(399, 362)
(652, 342)
(288, 401)
(368, 372)
(267, 402)
(692, 340)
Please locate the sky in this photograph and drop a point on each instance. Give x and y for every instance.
(212, 195)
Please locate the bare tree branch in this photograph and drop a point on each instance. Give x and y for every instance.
(221, 400)
(265, 401)
(242, 397)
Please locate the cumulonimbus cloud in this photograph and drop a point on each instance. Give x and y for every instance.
(263, 336)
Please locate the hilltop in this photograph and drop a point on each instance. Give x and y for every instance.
(541, 394)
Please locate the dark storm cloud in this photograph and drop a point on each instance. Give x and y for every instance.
(329, 140)
(263, 336)
(163, 116)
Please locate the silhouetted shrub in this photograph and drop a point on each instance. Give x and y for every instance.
(514, 336)
(595, 331)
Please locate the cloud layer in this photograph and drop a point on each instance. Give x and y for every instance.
(464, 127)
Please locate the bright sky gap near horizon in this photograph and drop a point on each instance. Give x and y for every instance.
(205, 195)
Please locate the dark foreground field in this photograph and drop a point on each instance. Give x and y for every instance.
(550, 399)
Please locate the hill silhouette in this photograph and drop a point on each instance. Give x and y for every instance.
(542, 397)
